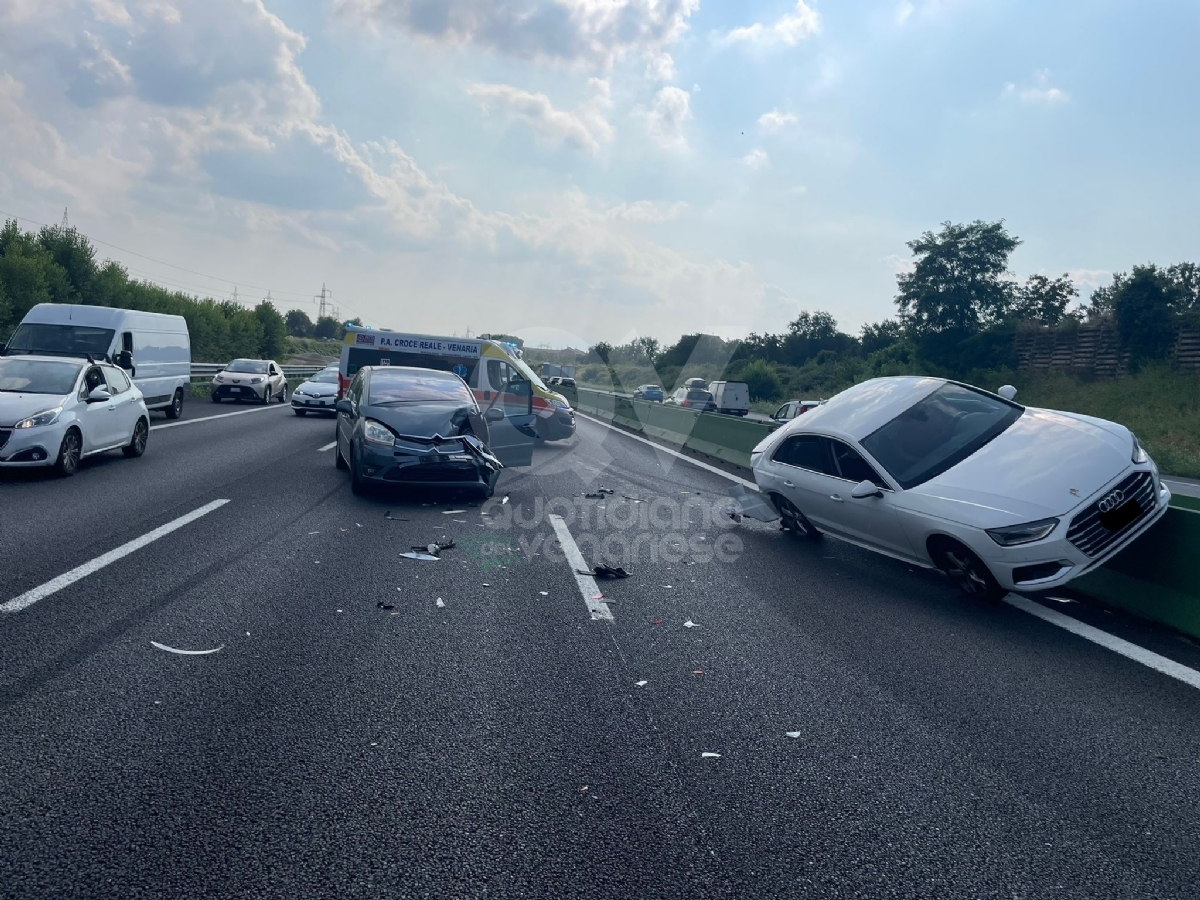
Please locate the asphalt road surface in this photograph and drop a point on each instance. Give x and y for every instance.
(835, 723)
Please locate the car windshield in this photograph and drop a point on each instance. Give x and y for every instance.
(329, 376)
(37, 376)
(414, 386)
(60, 340)
(247, 367)
(937, 433)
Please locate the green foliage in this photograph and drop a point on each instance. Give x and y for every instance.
(299, 324)
(879, 336)
(602, 351)
(761, 379)
(959, 282)
(328, 329)
(1142, 309)
(274, 330)
(1044, 300)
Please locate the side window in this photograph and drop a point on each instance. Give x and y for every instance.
(92, 380)
(354, 394)
(782, 412)
(853, 467)
(117, 382)
(127, 341)
(806, 451)
(497, 377)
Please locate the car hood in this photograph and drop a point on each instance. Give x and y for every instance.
(1045, 464)
(318, 388)
(424, 419)
(15, 407)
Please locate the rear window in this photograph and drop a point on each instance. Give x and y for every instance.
(414, 386)
(699, 395)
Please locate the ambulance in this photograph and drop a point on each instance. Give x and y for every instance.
(488, 367)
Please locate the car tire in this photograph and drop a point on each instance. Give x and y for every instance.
(216, 398)
(338, 460)
(300, 412)
(69, 453)
(968, 572)
(137, 444)
(175, 410)
(793, 520)
(266, 397)
(358, 487)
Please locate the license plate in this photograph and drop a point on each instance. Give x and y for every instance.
(432, 459)
(1118, 518)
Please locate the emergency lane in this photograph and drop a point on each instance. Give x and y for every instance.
(829, 722)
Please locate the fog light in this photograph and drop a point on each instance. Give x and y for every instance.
(370, 470)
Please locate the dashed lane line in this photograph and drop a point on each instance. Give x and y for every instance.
(240, 412)
(32, 596)
(586, 583)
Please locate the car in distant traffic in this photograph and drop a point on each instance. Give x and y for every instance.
(650, 392)
(998, 496)
(55, 412)
(732, 397)
(402, 425)
(567, 382)
(553, 380)
(250, 379)
(693, 398)
(318, 394)
(698, 383)
(794, 408)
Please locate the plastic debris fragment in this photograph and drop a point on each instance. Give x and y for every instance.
(642, 683)
(750, 504)
(710, 755)
(690, 624)
(453, 512)
(158, 646)
(424, 557)
(440, 603)
(603, 571)
(544, 593)
(381, 605)
(793, 734)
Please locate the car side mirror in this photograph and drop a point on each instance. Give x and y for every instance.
(1007, 392)
(345, 406)
(494, 414)
(98, 395)
(865, 489)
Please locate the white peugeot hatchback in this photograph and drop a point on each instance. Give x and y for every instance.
(55, 411)
(998, 496)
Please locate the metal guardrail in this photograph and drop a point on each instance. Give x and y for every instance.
(199, 370)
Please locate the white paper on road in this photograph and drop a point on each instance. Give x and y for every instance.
(159, 646)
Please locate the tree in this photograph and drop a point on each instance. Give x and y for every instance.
(356, 321)
(299, 324)
(328, 329)
(24, 278)
(76, 256)
(815, 326)
(879, 336)
(245, 335)
(959, 281)
(761, 379)
(274, 330)
(647, 348)
(1185, 278)
(1142, 309)
(602, 350)
(6, 322)
(1044, 300)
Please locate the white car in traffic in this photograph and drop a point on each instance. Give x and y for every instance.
(56, 411)
(998, 496)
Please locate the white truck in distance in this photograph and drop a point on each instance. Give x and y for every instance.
(731, 397)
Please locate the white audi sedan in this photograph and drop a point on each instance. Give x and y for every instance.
(998, 496)
(56, 411)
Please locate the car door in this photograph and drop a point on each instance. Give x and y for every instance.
(803, 469)
(124, 400)
(100, 425)
(347, 420)
(872, 520)
(512, 437)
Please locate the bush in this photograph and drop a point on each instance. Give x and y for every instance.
(760, 377)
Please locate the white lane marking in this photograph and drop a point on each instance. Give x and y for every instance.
(587, 584)
(1108, 641)
(1184, 488)
(328, 446)
(33, 595)
(240, 412)
(695, 462)
(1088, 632)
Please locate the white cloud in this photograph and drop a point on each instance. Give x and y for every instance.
(661, 68)
(903, 11)
(645, 212)
(1087, 280)
(587, 128)
(775, 121)
(589, 32)
(900, 265)
(757, 159)
(1040, 93)
(666, 118)
(800, 24)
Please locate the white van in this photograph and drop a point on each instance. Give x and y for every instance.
(155, 349)
(731, 397)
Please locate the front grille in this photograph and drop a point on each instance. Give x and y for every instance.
(5, 434)
(1090, 537)
(436, 473)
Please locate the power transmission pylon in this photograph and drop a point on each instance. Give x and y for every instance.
(65, 224)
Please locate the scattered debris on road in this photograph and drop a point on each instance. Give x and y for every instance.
(440, 603)
(642, 683)
(793, 734)
(159, 646)
(656, 622)
(633, 499)
(423, 557)
(603, 571)
(690, 624)
(544, 593)
(381, 605)
(505, 500)
(388, 515)
(751, 505)
(592, 496)
(710, 755)
(453, 512)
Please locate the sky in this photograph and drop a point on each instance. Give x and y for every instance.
(583, 170)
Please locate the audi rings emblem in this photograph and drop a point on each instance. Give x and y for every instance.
(1111, 501)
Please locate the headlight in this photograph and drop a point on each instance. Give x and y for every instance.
(1022, 534)
(560, 404)
(218, 378)
(257, 380)
(49, 417)
(378, 434)
(1139, 456)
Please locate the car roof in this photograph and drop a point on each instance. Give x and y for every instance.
(77, 360)
(858, 411)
